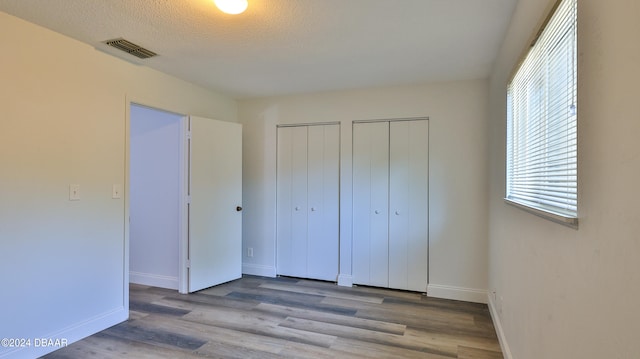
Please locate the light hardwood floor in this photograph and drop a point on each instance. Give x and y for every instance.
(256, 317)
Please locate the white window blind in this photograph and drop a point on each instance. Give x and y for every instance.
(542, 120)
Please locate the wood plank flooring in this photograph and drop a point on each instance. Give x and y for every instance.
(256, 317)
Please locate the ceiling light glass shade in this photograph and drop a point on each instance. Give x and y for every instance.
(232, 6)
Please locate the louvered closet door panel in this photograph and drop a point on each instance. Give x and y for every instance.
(408, 205)
(323, 204)
(370, 203)
(291, 201)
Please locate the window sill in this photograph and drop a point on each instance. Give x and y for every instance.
(552, 216)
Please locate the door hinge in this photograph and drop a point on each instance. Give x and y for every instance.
(189, 135)
(189, 199)
(188, 263)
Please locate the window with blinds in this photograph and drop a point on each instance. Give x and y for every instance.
(542, 122)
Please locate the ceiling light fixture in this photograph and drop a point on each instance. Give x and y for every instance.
(232, 7)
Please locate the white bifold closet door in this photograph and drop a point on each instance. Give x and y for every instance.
(308, 201)
(390, 204)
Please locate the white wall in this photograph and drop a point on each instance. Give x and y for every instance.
(458, 173)
(62, 121)
(154, 201)
(574, 293)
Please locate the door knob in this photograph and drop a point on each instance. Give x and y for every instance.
(297, 208)
(313, 209)
(238, 208)
(397, 213)
(376, 211)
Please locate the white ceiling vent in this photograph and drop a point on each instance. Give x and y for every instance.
(130, 48)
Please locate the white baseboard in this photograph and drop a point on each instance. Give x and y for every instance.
(457, 293)
(345, 280)
(259, 269)
(69, 335)
(154, 280)
(506, 351)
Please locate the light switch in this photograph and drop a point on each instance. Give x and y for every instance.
(74, 192)
(116, 191)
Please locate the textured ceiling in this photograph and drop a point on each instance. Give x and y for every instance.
(290, 46)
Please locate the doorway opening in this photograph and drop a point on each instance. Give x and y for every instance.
(184, 200)
(156, 190)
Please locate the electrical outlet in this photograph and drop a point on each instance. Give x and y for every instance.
(250, 252)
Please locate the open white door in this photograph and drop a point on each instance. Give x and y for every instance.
(215, 220)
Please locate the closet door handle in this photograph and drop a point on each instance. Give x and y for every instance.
(313, 209)
(376, 211)
(297, 208)
(397, 213)
(238, 209)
